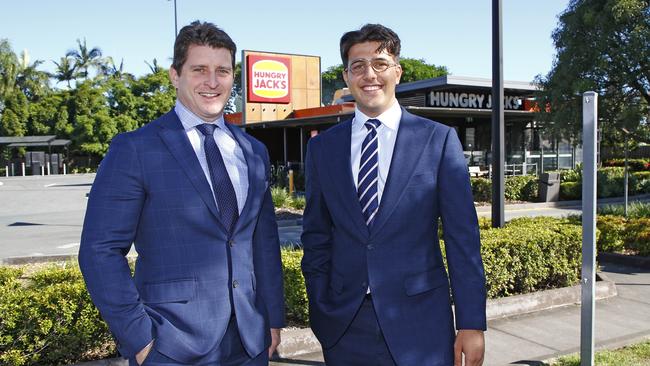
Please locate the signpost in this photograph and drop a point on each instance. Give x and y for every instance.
(588, 304)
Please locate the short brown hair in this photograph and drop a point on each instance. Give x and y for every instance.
(200, 34)
(388, 40)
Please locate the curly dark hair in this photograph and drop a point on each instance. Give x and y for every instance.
(388, 40)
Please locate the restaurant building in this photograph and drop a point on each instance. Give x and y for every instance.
(282, 108)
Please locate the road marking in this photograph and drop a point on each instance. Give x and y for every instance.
(50, 185)
(68, 246)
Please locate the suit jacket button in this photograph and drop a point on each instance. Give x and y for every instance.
(235, 284)
(231, 243)
(370, 247)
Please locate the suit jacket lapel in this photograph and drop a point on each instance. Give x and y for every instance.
(412, 138)
(256, 173)
(340, 172)
(178, 144)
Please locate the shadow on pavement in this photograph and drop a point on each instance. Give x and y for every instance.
(286, 361)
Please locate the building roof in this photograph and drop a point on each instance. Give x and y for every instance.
(26, 139)
(58, 142)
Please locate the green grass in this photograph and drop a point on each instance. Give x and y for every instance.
(634, 355)
(634, 209)
(282, 198)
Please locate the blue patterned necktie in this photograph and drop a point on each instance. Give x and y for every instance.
(222, 188)
(368, 168)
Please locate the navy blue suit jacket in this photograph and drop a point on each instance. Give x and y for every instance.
(399, 256)
(150, 190)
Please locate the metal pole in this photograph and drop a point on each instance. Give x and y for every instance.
(175, 21)
(284, 142)
(589, 127)
(625, 176)
(302, 146)
(498, 147)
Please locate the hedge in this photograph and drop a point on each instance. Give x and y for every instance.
(47, 317)
(610, 183)
(633, 164)
(517, 188)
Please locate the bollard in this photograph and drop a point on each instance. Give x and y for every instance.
(48, 168)
(64, 169)
(290, 181)
(22, 166)
(42, 170)
(6, 170)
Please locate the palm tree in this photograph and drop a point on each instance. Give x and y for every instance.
(66, 70)
(154, 67)
(30, 80)
(8, 70)
(85, 58)
(110, 69)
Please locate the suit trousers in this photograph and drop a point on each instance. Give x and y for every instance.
(230, 352)
(363, 343)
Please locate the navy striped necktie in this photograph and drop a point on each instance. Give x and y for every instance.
(222, 187)
(368, 172)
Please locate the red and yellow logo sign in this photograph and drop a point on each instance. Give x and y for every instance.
(269, 79)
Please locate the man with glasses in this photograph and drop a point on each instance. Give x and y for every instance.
(377, 184)
(192, 193)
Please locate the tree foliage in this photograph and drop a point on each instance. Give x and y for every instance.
(603, 46)
(412, 70)
(90, 111)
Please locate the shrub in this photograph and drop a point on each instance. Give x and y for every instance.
(298, 202)
(570, 190)
(571, 175)
(280, 196)
(612, 233)
(638, 236)
(642, 182)
(521, 188)
(295, 294)
(635, 209)
(8, 274)
(481, 189)
(633, 164)
(517, 188)
(531, 254)
(47, 322)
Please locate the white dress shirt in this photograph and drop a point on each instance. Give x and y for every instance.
(386, 137)
(233, 156)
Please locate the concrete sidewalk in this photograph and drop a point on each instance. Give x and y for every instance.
(531, 338)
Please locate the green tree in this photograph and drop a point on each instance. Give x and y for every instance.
(49, 115)
(154, 67)
(8, 72)
(86, 58)
(156, 96)
(412, 70)
(65, 70)
(93, 126)
(604, 46)
(30, 81)
(235, 101)
(332, 80)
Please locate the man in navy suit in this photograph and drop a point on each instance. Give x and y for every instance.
(192, 193)
(378, 290)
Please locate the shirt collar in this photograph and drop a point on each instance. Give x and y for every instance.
(191, 120)
(390, 118)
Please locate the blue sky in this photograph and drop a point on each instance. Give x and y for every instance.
(455, 34)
